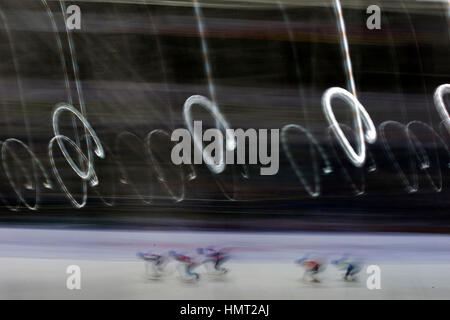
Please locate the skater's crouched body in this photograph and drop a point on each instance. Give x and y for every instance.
(154, 263)
(312, 268)
(187, 266)
(351, 267)
(215, 258)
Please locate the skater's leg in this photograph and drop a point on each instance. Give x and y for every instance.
(307, 275)
(314, 272)
(159, 264)
(189, 270)
(150, 268)
(314, 275)
(218, 264)
(348, 272)
(181, 268)
(356, 269)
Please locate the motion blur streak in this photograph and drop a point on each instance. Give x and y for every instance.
(87, 116)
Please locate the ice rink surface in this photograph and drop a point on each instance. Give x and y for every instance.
(33, 264)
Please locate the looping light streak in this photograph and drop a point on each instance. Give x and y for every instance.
(90, 173)
(314, 146)
(418, 157)
(124, 175)
(409, 187)
(360, 117)
(29, 185)
(230, 142)
(369, 164)
(344, 46)
(68, 194)
(160, 172)
(364, 130)
(422, 156)
(440, 104)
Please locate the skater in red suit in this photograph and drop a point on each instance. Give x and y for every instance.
(189, 265)
(312, 268)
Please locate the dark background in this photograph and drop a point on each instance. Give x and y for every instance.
(137, 65)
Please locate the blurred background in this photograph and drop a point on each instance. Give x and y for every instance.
(266, 64)
(127, 72)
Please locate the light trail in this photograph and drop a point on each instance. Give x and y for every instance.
(314, 145)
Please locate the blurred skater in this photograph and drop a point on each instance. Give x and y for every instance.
(188, 263)
(215, 257)
(312, 268)
(154, 263)
(351, 266)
